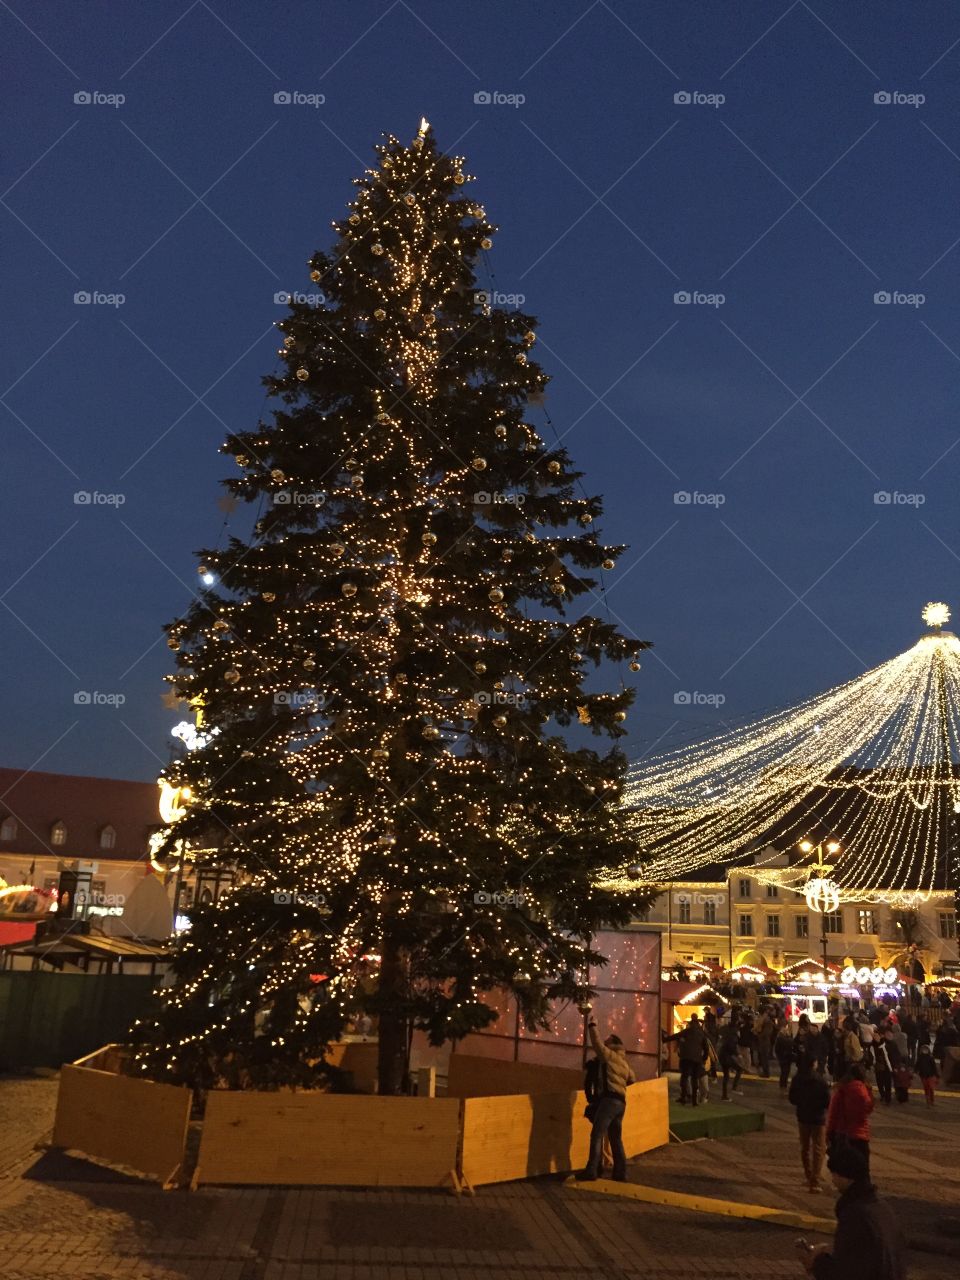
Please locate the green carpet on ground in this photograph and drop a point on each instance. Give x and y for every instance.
(712, 1120)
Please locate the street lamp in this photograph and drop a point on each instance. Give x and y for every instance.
(822, 895)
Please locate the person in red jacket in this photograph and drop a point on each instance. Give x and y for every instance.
(848, 1119)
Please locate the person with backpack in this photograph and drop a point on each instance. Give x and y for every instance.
(611, 1104)
(692, 1050)
(728, 1053)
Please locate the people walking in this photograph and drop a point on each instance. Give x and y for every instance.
(866, 1245)
(848, 1117)
(928, 1073)
(610, 1106)
(810, 1096)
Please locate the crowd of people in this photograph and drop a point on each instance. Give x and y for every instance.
(892, 1045)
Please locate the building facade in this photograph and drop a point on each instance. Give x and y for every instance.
(743, 919)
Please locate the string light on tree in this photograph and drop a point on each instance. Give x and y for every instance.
(388, 689)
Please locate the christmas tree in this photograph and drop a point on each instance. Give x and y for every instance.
(385, 671)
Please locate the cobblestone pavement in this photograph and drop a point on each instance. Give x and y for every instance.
(72, 1220)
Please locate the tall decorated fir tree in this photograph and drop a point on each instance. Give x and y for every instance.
(385, 671)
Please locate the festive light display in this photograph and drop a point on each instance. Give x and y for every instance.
(872, 762)
(383, 668)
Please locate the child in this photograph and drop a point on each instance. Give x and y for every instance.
(927, 1071)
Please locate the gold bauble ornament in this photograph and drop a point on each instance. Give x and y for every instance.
(586, 518)
(220, 625)
(354, 219)
(486, 243)
(173, 643)
(231, 676)
(428, 538)
(500, 721)
(521, 358)
(309, 664)
(277, 475)
(634, 666)
(495, 595)
(576, 657)
(558, 589)
(479, 464)
(417, 144)
(431, 732)
(620, 715)
(554, 467)
(608, 564)
(349, 589)
(377, 249)
(202, 569)
(350, 464)
(410, 198)
(429, 318)
(356, 481)
(269, 596)
(303, 374)
(242, 460)
(507, 554)
(530, 337)
(316, 276)
(479, 668)
(337, 549)
(381, 754)
(458, 179)
(383, 418)
(289, 341)
(379, 314)
(500, 431)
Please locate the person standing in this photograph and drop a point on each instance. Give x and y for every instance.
(810, 1096)
(883, 1070)
(691, 1050)
(610, 1106)
(728, 1051)
(866, 1245)
(783, 1048)
(848, 1117)
(928, 1073)
(763, 1030)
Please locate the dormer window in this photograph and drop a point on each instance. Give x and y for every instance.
(108, 838)
(8, 828)
(58, 833)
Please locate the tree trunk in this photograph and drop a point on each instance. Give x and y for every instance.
(392, 1053)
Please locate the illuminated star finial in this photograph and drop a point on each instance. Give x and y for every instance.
(424, 127)
(935, 614)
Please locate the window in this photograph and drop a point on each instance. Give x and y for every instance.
(58, 833)
(948, 924)
(773, 926)
(108, 838)
(8, 828)
(803, 926)
(709, 913)
(866, 921)
(833, 922)
(773, 891)
(745, 925)
(683, 911)
(745, 888)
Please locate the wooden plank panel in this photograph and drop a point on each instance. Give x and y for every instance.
(472, 1076)
(136, 1123)
(321, 1139)
(526, 1135)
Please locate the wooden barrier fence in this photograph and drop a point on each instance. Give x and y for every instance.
(139, 1124)
(328, 1139)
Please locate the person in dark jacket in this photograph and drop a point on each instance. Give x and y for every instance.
(810, 1096)
(728, 1052)
(691, 1050)
(783, 1048)
(866, 1245)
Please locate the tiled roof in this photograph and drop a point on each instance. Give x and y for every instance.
(85, 806)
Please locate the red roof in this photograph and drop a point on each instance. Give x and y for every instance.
(85, 806)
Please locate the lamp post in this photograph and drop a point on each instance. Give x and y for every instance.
(822, 895)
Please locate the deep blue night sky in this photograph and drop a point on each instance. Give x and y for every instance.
(797, 400)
